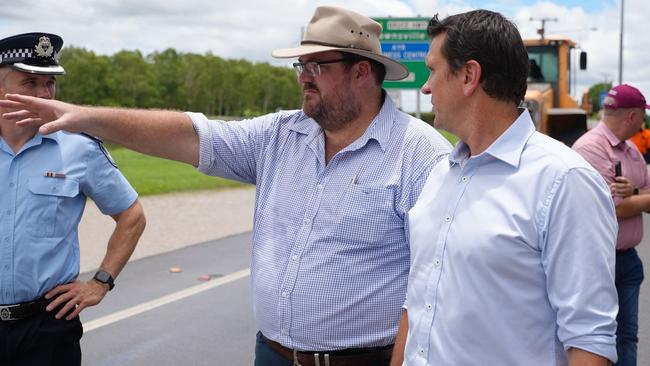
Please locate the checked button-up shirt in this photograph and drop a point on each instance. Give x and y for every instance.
(330, 249)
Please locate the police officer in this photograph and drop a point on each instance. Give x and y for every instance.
(44, 182)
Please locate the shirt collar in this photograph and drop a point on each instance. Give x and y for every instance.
(53, 136)
(37, 139)
(609, 135)
(379, 129)
(508, 147)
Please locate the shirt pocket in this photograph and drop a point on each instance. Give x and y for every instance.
(368, 214)
(46, 197)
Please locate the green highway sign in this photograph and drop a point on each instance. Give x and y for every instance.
(406, 40)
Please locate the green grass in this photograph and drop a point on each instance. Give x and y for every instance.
(149, 175)
(452, 138)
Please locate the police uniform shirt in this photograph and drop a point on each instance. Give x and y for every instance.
(43, 190)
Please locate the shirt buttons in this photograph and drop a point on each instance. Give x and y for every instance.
(447, 218)
(464, 179)
(11, 184)
(429, 307)
(283, 331)
(53, 189)
(285, 294)
(294, 258)
(320, 187)
(306, 221)
(436, 262)
(421, 351)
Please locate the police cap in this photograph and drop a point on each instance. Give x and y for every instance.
(36, 53)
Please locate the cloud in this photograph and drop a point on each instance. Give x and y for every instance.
(601, 45)
(575, 22)
(250, 29)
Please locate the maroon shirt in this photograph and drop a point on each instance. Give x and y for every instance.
(602, 149)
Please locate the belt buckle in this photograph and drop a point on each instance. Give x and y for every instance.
(316, 359)
(5, 313)
(295, 358)
(326, 357)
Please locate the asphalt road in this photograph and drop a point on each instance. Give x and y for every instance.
(209, 325)
(214, 326)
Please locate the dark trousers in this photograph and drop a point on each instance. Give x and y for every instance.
(40, 340)
(266, 356)
(629, 275)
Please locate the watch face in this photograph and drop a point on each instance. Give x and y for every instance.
(105, 278)
(102, 276)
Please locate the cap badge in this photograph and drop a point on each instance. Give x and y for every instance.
(44, 47)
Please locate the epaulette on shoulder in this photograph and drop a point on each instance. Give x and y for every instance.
(96, 139)
(102, 148)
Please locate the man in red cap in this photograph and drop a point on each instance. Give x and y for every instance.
(624, 168)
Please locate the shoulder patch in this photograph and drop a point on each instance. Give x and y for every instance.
(102, 148)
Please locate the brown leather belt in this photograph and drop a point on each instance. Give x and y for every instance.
(22, 311)
(346, 357)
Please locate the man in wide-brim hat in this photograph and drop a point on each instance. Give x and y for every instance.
(335, 181)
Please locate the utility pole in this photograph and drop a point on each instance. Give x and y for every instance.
(620, 47)
(542, 30)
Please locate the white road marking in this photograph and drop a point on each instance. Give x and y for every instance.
(164, 300)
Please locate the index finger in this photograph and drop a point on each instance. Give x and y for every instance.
(57, 291)
(24, 99)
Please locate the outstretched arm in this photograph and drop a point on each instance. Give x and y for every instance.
(78, 295)
(166, 134)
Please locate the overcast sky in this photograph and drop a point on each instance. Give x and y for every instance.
(250, 29)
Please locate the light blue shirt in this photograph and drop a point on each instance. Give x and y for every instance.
(512, 256)
(39, 214)
(330, 252)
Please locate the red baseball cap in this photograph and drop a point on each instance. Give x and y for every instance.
(624, 96)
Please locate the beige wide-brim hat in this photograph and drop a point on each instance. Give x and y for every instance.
(338, 29)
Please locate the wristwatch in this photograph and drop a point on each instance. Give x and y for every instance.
(105, 278)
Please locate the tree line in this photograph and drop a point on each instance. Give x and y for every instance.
(174, 80)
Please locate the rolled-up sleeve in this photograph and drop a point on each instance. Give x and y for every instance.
(578, 256)
(231, 149)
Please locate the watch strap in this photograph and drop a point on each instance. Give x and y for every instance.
(105, 278)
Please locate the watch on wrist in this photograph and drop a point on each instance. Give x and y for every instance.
(105, 278)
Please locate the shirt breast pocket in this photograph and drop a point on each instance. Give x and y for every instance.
(47, 198)
(368, 214)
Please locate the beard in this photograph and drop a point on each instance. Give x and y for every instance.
(334, 111)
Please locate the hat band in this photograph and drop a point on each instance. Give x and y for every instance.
(333, 45)
(42, 61)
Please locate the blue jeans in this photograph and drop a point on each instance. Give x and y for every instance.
(266, 356)
(629, 275)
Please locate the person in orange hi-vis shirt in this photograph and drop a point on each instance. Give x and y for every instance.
(642, 141)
